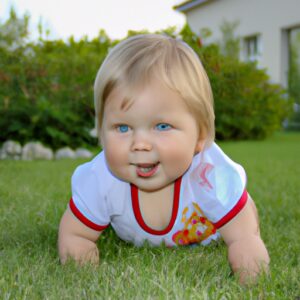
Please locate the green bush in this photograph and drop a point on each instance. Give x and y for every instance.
(48, 95)
(246, 104)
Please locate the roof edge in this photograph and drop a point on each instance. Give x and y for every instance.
(187, 5)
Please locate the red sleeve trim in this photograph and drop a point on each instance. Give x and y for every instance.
(83, 219)
(236, 209)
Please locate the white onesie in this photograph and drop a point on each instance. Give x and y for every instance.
(210, 193)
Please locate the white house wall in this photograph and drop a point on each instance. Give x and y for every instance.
(269, 18)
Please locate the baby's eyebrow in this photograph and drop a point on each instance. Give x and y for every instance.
(126, 103)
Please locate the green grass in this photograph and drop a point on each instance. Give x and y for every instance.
(33, 196)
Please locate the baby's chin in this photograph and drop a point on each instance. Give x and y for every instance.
(151, 187)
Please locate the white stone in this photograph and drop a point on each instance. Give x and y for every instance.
(36, 150)
(3, 154)
(65, 152)
(83, 153)
(11, 149)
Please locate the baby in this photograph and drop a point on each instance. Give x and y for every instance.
(160, 177)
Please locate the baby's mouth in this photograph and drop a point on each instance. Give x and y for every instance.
(146, 170)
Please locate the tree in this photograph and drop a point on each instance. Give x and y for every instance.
(14, 32)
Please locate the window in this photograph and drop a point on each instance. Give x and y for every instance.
(294, 64)
(252, 48)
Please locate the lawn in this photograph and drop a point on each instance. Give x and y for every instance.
(33, 196)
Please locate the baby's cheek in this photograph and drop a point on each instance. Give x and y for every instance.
(180, 151)
(179, 159)
(112, 154)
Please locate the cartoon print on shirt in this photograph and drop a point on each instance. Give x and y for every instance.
(196, 227)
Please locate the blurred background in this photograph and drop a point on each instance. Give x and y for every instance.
(50, 52)
(62, 19)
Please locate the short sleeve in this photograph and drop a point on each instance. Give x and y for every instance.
(220, 186)
(88, 201)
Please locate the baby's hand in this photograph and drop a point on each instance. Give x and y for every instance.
(77, 241)
(247, 253)
(248, 257)
(79, 249)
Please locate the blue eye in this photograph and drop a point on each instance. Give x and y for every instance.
(123, 128)
(163, 126)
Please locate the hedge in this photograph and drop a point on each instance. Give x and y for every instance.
(46, 91)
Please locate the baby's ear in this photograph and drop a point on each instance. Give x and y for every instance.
(201, 142)
(200, 145)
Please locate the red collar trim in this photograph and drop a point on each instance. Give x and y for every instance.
(138, 214)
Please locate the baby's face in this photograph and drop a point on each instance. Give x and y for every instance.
(152, 141)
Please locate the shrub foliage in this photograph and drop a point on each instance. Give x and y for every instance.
(46, 89)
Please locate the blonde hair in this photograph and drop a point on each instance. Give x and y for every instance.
(136, 60)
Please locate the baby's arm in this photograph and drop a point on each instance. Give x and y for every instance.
(77, 241)
(247, 253)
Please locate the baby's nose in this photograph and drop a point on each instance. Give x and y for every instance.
(141, 142)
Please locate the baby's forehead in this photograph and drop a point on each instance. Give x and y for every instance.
(120, 99)
(124, 94)
(154, 97)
